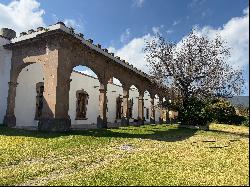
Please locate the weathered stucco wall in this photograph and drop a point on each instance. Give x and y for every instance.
(25, 105)
(5, 64)
(91, 86)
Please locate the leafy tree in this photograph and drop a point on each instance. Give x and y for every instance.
(196, 67)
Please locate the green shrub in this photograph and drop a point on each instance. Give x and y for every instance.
(246, 121)
(223, 112)
(237, 120)
(242, 110)
(195, 112)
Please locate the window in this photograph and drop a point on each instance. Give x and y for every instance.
(39, 100)
(81, 104)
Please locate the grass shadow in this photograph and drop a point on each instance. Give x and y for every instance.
(243, 135)
(168, 134)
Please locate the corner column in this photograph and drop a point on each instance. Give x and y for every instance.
(102, 118)
(152, 115)
(141, 108)
(57, 72)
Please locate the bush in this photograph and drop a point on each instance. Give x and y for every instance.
(195, 112)
(199, 112)
(246, 122)
(223, 112)
(237, 120)
(242, 110)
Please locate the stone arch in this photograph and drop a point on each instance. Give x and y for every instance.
(80, 83)
(59, 52)
(30, 76)
(93, 62)
(114, 100)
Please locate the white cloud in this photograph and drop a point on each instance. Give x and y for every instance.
(76, 24)
(133, 52)
(72, 23)
(246, 10)
(169, 31)
(21, 15)
(236, 33)
(176, 22)
(156, 30)
(138, 3)
(125, 36)
(111, 49)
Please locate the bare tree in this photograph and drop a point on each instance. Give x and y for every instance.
(197, 66)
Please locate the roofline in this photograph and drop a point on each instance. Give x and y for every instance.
(59, 27)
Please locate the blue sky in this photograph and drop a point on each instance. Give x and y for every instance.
(106, 20)
(122, 25)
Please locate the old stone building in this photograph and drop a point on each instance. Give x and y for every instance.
(40, 87)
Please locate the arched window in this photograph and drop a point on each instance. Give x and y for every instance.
(39, 99)
(81, 104)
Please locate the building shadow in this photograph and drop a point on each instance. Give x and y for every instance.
(155, 133)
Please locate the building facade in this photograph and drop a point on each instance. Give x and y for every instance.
(40, 87)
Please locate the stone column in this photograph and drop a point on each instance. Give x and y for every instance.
(152, 115)
(56, 94)
(9, 118)
(141, 108)
(125, 116)
(161, 112)
(102, 118)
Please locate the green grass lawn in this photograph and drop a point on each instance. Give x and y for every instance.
(146, 155)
